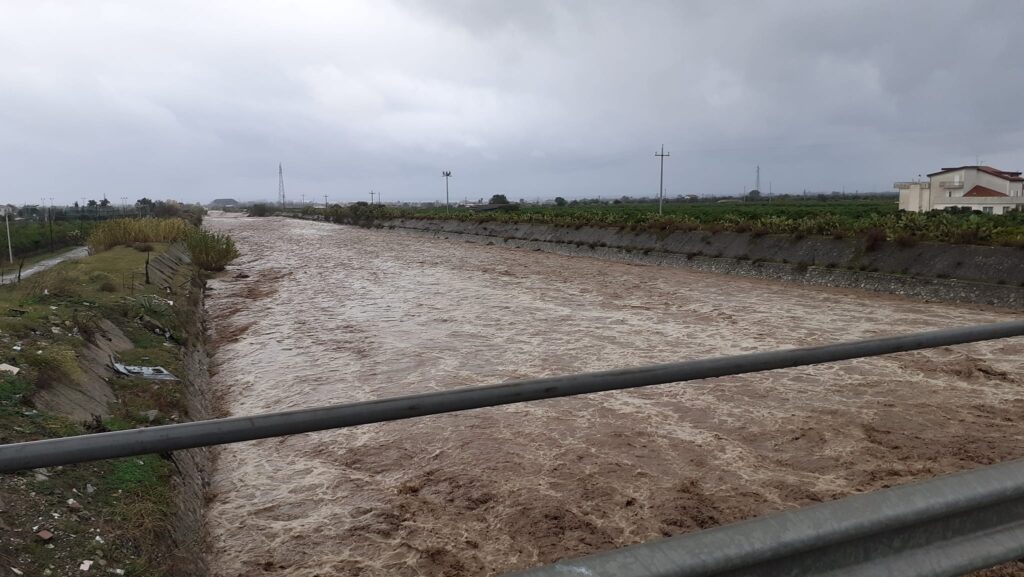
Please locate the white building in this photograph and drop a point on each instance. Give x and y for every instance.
(981, 188)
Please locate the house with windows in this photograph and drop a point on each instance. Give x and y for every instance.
(980, 188)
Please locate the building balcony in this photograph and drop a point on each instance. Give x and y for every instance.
(951, 184)
(903, 185)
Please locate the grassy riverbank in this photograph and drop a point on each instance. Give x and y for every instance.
(57, 327)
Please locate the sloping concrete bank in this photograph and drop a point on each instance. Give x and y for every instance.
(192, 467)
(141, 515)
(173, 272)
(954, 273)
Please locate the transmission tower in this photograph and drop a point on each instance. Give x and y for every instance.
(280, 185)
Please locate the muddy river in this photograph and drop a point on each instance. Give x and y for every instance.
(330, 314)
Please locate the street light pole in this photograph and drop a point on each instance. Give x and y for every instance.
(446, 174)
(661, 181)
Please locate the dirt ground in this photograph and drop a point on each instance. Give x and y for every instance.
(333, 314)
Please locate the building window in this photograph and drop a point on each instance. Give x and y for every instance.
(986, 209)
(949, 194)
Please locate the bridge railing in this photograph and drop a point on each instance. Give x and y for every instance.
(971, 520)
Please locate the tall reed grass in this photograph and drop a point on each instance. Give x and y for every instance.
(128, 231)
(210, 251)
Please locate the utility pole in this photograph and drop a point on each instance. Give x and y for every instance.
(51, 224)
(371, 196)
(10, 250)
(325, 202)
(661, 181)
(302, 199)
(280, 184)
(757, 179)
(446, 174)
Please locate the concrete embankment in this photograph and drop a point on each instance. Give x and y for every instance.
(192, 467)
(928, 271)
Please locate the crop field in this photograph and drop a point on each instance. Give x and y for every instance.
(879, 219)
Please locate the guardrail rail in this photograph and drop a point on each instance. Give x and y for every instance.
(947, 526)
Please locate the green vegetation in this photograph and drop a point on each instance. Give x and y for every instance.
(211, 251)
(260, 209)
(35, 229)
(30, 237)
(362, 213)
(190, 213)
(877, 219)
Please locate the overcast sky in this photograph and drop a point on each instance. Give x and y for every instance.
(198, 100)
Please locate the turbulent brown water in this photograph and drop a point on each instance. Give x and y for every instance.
(331, 314)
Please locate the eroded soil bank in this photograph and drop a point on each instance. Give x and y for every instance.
(331, 314)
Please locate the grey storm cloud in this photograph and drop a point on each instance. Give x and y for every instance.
(195, 100)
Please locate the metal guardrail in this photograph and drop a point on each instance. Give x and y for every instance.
(67, 450)
(946, 526)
